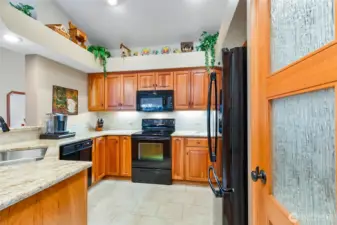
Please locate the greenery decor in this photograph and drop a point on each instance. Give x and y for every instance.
(102, 53)
(207, 44)
(26, 9)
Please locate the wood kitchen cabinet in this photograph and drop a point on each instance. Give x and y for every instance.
(99, 162)
(125, 156)
(146, 81)
(190, 89)
(120, 91)
(162, 80)
(178, 158)
(182, 90)
(96, 92)
(197, 163)
(112, 155)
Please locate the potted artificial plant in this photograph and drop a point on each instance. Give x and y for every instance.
(26, 9)
(102, 54)
(207, 44)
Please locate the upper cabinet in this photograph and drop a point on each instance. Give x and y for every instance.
(199, 89)
(120, 91)
(96, 92)
(113, 92)
(182, 89)
(146, 81)
(155, 81)
(164, 80)
(190, 89)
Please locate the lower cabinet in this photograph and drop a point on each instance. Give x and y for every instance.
(125, 156)
(62, 203)
(178, 157)
(112, 157)
(197, 163)
(190, 159)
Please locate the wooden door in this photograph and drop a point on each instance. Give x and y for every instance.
(112, 152)
(182, 90)
(146, 81)
(178, 156)
(199, 89)
(95, 92)
(94, 170)
(113, 91)
(125, 156)
(100, 157)
(129, 91)
(197, 162)
(293, 86)
(164, 80)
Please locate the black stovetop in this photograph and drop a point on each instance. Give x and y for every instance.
(156, 127)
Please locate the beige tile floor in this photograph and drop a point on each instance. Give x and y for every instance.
(127, 203)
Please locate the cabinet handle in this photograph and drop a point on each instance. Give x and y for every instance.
(198, 142)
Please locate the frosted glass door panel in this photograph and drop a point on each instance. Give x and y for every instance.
(303, 161)
(299, 27)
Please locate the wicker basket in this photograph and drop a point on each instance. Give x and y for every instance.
(57, 28)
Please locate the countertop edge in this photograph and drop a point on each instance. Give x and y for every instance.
(41, 188)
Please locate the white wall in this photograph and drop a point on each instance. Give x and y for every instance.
(12, 76)
(41, 75)
(131, 120)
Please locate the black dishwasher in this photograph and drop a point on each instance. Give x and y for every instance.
(79, 151)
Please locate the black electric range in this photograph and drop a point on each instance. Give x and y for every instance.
(151, 152)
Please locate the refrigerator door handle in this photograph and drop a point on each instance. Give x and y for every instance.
(212, 154)
(221, 191)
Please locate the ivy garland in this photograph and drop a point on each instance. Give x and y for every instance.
(207, 44)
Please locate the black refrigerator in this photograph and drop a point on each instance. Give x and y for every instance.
(229, 122)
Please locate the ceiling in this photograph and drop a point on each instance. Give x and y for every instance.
(141, 23)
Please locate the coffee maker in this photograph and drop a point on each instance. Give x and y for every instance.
(56, 127)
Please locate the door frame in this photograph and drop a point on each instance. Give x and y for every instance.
(265, 86)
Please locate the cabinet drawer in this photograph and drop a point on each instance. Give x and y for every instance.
(196, 142)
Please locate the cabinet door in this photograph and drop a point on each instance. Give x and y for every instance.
(199, 89)
(178, 159)
(182, 90)
(197, 164)
(129, 91)
(125, 156)
(96, 92)
(100, 156)
(94, 170)
(113, 92)
(112, 156)
(164, 80)
(25, 212)
(146, 81)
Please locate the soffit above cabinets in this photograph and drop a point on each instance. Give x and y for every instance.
(39, 39)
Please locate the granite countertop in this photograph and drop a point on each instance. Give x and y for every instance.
(19, 182)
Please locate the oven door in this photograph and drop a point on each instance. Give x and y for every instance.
(151, 152)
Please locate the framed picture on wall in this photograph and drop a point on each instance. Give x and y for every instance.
(65, 100)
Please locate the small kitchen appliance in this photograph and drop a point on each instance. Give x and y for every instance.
(151, 152)
(56, 127)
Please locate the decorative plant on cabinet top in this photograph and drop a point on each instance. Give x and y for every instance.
(26, 9)
(207, 44)
(102, 53)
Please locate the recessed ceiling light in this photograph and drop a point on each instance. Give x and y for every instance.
(113, 2)
(11, 38)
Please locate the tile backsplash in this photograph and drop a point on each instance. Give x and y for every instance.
(131, 120)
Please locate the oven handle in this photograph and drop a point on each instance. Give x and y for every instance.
(151, 138)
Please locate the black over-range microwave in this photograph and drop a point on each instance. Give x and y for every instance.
(155, 101)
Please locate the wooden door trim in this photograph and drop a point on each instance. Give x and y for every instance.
(279, 214)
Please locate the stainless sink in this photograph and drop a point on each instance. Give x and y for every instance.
(22, 156)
